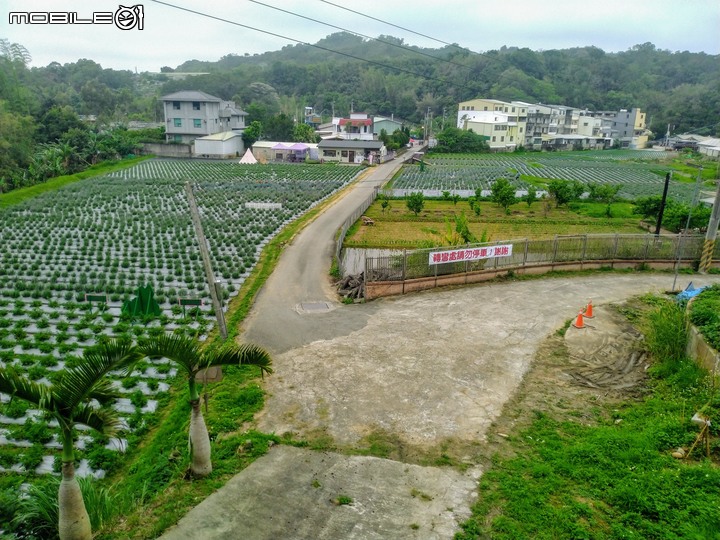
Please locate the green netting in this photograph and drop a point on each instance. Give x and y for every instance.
(142, 305)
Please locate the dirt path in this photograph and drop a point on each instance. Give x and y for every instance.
(425, 382)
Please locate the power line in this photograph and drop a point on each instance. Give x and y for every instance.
(359, 34)
(373, 62)
(408, 30)
(391, 24)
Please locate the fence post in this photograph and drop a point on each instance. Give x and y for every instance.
(555, 246)
(615, 248)
(584, 252)
(647, 247)
(466, 264)
(404, 269)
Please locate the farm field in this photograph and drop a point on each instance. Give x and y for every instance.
(106, 237)
(641, 173)
(397, 227)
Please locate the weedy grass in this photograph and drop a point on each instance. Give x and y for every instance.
(614, 478)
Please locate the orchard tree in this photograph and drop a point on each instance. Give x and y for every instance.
(564, 191)
(415, 202)
(503, 193)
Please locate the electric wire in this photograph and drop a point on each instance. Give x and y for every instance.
(398, 26)
(326, 49)
(361, 35)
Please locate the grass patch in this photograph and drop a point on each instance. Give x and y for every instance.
(613, 478)
(397, 228)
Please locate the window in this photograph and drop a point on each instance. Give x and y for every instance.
(344, 153)
(513, 109)
(484, 108)
(196, 105)
(177, 138)
(177, 122)
(197, 123)
(512, 139)
(329, 153)
(502, 139)
(176, 105)
(493, 138)
(521, 130)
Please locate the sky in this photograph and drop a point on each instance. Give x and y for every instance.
(168, 36)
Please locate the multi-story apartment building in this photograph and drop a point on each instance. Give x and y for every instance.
(502, 123)
(190, 114)
(543, 126)
(628, 127)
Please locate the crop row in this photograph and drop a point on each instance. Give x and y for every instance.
(110, 235)
(462, 174)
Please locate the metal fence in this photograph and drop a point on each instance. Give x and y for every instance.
(351, 220)
(560, 251)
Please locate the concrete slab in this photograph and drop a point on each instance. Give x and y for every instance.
(294, 493)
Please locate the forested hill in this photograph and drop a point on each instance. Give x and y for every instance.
(383, 76)
(678, 88)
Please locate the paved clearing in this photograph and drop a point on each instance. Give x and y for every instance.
(427, 375)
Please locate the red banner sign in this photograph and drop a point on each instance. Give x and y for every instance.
(470, 254)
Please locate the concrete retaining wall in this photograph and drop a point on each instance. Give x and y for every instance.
(701, 352)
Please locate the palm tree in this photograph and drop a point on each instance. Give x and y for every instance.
(188, 355)
(81, 395)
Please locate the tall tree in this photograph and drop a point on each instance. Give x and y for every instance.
(71, 400)
(191, 358)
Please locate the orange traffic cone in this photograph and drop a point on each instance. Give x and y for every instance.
(579, 321)
(589, 310)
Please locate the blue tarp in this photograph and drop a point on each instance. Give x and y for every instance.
(688, 293)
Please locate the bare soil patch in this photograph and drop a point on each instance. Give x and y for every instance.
(576, 373)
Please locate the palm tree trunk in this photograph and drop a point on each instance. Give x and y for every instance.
(74, 522)
(199, 442)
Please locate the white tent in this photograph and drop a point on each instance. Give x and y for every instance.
(248, 158)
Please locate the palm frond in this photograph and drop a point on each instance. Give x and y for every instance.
(104, 392)
(16, 385)
(182, 350)
(245, 354)
(79, 382)
(104, 419)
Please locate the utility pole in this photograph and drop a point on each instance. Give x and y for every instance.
(662, 203)
(711, 234)
(213, 285)
(687, 225)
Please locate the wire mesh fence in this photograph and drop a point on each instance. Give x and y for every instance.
(525, 253)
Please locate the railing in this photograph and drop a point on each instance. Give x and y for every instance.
(352, 219)
(412, 270)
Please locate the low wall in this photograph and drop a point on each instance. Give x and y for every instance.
(701, 352)
(378, 289)
(168, 150)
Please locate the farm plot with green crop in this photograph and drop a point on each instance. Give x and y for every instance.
(106, 237)
(637, 172)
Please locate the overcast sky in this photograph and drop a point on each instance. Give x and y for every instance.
(171, 36)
